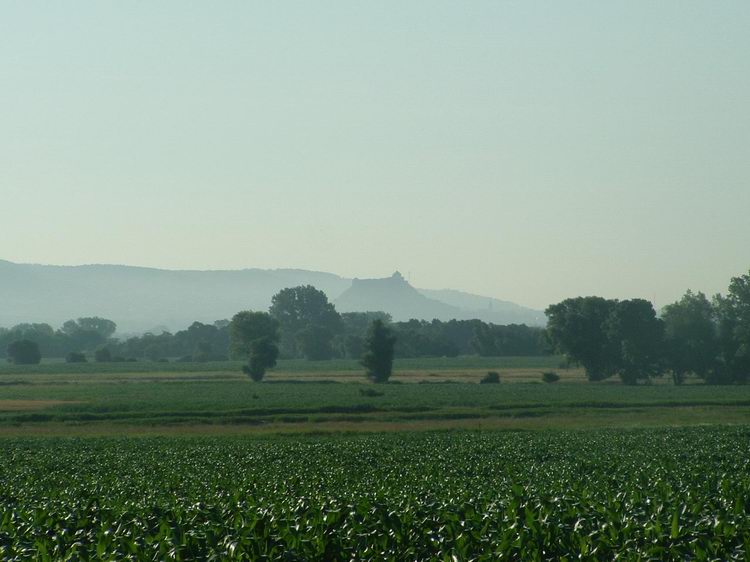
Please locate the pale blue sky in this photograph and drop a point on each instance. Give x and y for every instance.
(525, 150)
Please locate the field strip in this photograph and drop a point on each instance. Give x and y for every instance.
(25, 405)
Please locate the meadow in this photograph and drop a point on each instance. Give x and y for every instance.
(335, 396)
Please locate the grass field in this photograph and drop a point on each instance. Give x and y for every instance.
(302, 366)
(57, 399)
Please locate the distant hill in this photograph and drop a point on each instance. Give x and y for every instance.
(487, 308)
(395, 296)
(140, 299)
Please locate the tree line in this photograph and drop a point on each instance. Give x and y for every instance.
(707, 338)
(309, 326)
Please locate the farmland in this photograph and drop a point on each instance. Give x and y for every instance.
(55, 398)
(657, 494)
(154, 461)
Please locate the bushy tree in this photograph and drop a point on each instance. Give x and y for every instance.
(42, 334)
(263, 355)
(315, 343)
(24, 352)
(103, 355)
(255, 335)
(87, 333)
(75, 357)
(636, 337)
(733, 312)
(300, 309)
(608, 336)
(576, 328)
(691, 337)
(379, 349)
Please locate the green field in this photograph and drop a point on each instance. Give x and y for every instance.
(424, 395)
(195, 461)
(302, 366)
(674, 494)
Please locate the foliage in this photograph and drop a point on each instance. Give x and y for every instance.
(75, 357)
(255, 335)
(609, 336)
(315, 343)
(576, 327)
(379, 351)
(635, 337)
(733, 313)
(691, 339)
(301, 309)
(24, 352)
(263, 355)
(550, 377)
(672, 494)
(492, 377)
(103, 355)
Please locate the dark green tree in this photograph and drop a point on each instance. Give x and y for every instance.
(379, 349)
(302, 308)
(88, 333)
(637, 335)
(24, 352)
(733, 313)
(576, 327)
(691, 338)
(255, 335)
(263, 355)
(103, 355)
(42, 334)
(315, 343)
(75, 357)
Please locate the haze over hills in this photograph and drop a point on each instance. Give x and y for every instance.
(139, 298)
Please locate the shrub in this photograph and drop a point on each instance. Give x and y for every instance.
(492, 377)
(103, 355)
(75, 357)
(24, 352)
(550, 376)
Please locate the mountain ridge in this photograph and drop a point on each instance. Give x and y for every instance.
(138, 298)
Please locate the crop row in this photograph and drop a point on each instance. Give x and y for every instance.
(637, 495)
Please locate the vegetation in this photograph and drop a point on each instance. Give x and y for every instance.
(308, 322)
(255, 335)
(179, 401)
(75, 357)
(492, 377)
(379, 349)
(693, 336)
(607, 337)
(24, 352)
(309, 327)
(550, 377)
(662, 494)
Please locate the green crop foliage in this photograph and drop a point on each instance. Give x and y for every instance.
(660, 494)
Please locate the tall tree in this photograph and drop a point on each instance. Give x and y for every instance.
(255, 335)
(88, 333)
(637, 335)
(301, 311)
(379, 349)
(733, 312)
(691, 339)
(576, 328)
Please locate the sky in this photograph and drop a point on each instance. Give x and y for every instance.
(529, 151)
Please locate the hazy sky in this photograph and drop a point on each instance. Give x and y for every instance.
(525, 150)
